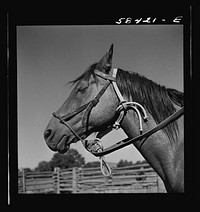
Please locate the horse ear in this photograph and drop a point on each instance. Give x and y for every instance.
(105, 63)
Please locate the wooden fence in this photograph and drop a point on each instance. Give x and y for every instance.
(129, 179)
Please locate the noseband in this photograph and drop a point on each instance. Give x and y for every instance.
(94, 146)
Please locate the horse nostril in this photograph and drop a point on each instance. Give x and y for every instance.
(47, 133)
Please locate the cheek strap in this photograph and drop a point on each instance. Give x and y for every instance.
(93, 103)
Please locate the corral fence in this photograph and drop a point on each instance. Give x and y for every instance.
(130, 179)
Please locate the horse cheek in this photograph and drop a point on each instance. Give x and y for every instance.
(101, 115)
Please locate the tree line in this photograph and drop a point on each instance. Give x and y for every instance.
(72, 158)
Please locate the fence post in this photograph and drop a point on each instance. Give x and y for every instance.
(24, 181)
(74, 180)
(57, 172)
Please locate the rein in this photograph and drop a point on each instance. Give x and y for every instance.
(94, 146)
(144, 136)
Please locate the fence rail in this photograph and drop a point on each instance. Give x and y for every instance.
(129, 179)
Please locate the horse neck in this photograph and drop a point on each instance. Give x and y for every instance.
(157, 149)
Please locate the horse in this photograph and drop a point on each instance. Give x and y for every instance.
(92, 108)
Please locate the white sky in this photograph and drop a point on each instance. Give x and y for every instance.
(50, 56)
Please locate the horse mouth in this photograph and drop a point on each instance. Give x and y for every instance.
(64, 144)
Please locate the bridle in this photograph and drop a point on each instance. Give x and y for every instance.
(94, 146)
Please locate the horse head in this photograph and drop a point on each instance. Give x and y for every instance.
(82, 112)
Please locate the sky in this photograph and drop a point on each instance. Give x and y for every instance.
(50, 56)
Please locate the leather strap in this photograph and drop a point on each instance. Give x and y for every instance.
(104, 76)
(73, 113)
(144, 136)
(92, 104)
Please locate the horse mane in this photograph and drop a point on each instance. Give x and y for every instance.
(157, 99)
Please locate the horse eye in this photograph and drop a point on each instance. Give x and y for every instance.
(82, 89)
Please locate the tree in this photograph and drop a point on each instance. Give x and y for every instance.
(140, 162)
(92, 164)
(27, 170)
(43, 166)
(71, 158)
(123, 163)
